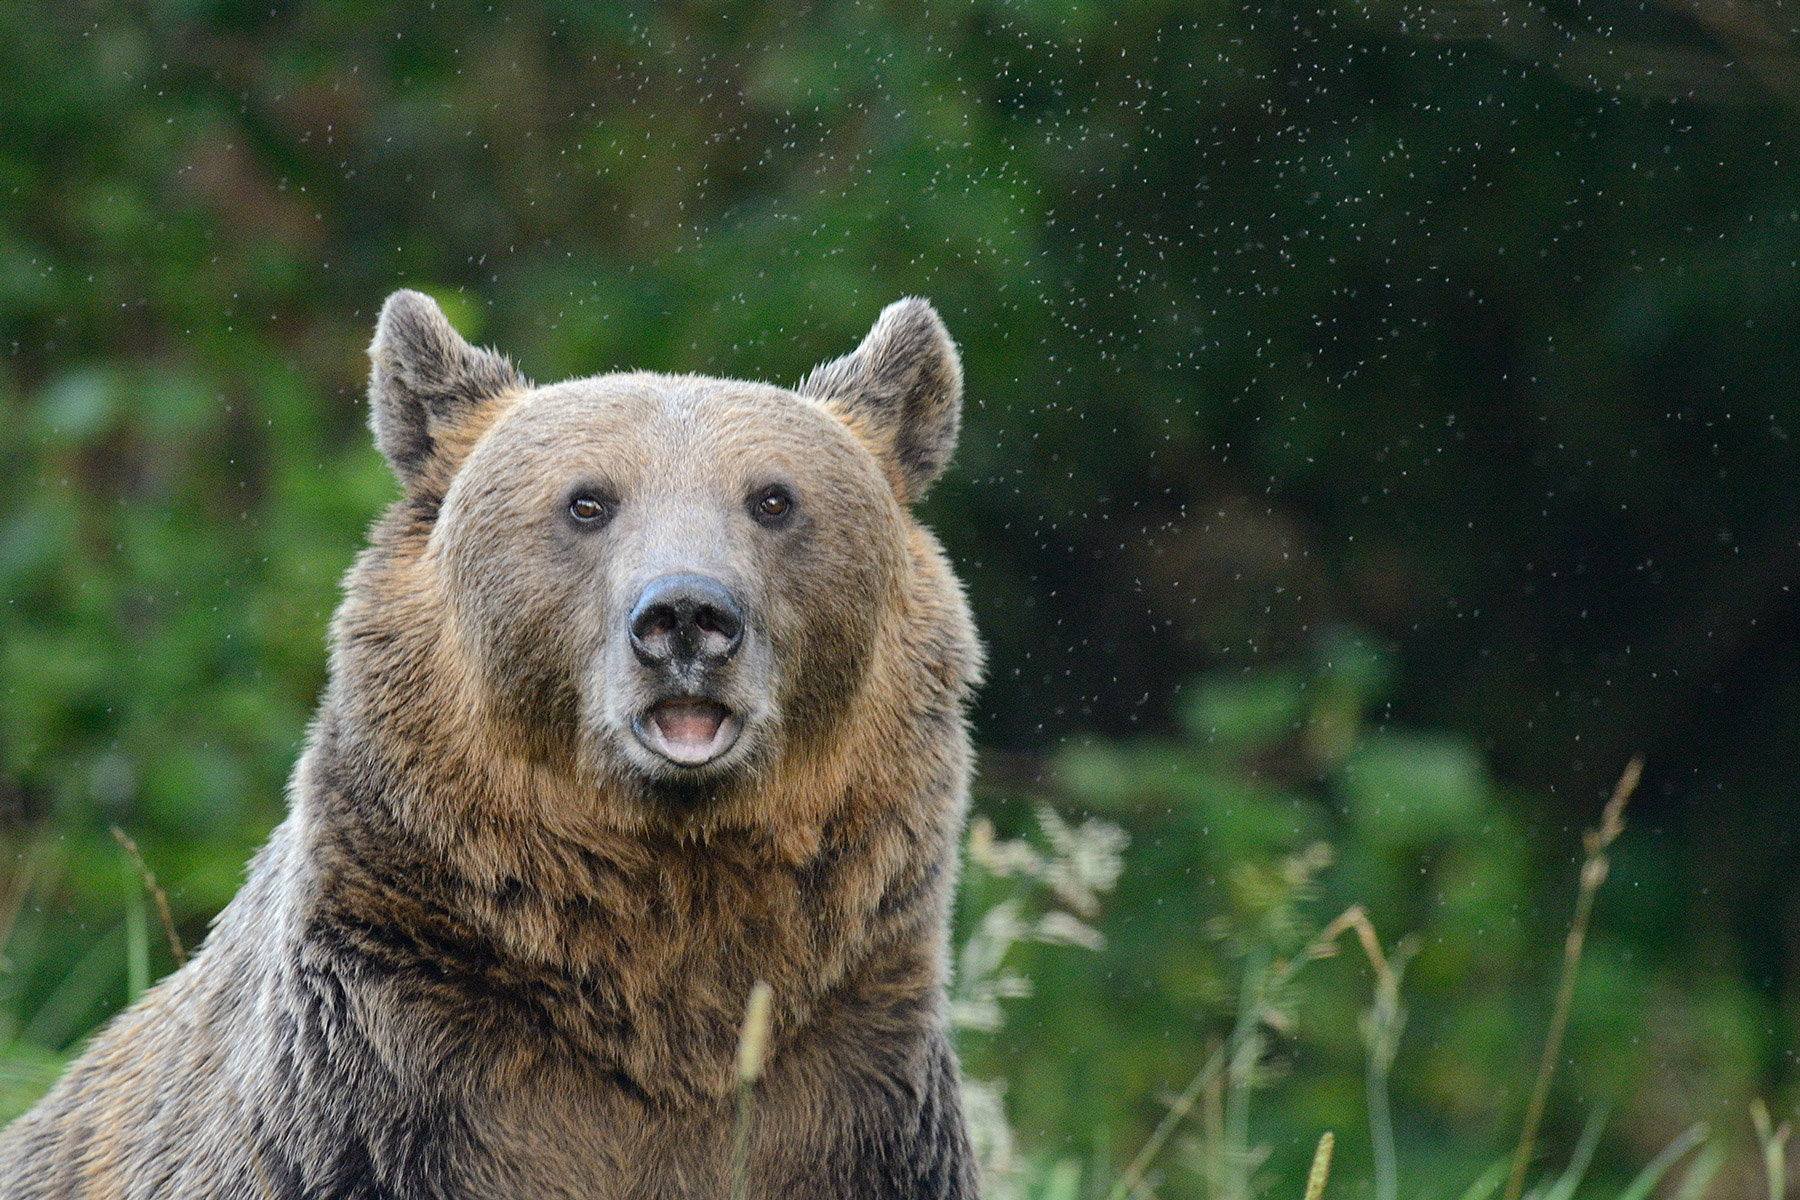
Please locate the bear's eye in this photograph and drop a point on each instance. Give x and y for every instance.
(587, 508)
(772, 504)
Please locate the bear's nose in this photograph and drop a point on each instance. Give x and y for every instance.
(685, 619)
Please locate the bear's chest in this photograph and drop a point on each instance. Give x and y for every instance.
(600, 1137)
(646, 978)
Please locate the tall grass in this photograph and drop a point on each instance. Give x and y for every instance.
(1593, 874)
(1217, 1100)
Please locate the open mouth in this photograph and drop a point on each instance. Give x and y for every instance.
(689, 731)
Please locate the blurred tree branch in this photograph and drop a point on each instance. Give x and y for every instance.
(1745, 31)
(1754, 61)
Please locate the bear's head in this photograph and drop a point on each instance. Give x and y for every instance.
(674, 583)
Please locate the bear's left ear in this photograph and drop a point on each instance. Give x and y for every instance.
(902, 389)
(425, 381)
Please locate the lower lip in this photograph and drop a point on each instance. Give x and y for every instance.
(686, 754)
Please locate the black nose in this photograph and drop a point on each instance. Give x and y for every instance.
(684, 619)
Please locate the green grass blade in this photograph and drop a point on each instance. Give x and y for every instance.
(1564, 1188)
(26, 1073)
(1700, 1173)
(137, 943)
(1487, 1183)
(1064, 1182)
(68, 1010)
(1659, 1166)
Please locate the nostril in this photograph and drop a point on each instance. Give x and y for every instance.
(656, 622)
(713, 621)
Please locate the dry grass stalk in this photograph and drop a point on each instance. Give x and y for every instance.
(156, 894)
(1773, 1142)
(753, 1044)
(1212, 1122)
(1321, 1166)
(1381, 1029)
(1324, 945)
(1593, 873)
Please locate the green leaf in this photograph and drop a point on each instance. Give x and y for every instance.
(1245, 711)
(1407, 787)
(79, 405)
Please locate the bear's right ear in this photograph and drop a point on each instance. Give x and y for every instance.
(426, 380)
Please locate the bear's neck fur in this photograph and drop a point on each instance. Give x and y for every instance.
(501, 888)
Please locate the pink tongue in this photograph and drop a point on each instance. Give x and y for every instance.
(689, 722)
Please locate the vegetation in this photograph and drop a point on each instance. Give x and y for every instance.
(1379, 430)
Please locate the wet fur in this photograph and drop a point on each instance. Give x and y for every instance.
(483, 956)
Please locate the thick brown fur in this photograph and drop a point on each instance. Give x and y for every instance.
(498, 948)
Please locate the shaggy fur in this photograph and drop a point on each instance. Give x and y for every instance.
(499, 948)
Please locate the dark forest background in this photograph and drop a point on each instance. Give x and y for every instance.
(1381, 423)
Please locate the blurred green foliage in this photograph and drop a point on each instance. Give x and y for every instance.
(1278, 806)
(1378, 428)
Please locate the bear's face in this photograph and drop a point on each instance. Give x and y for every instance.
(677, 580)
(684, 573)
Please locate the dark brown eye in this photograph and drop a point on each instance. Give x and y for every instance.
(587, 509)
(773, 504)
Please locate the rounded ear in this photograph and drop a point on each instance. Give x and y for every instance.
(902, 391)
(426, 381)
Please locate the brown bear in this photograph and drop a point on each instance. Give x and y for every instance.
(648, 687)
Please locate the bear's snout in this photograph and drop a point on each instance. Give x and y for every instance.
(685, 628)
(685, 621)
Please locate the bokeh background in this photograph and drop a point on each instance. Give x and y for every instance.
(1381, 423)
